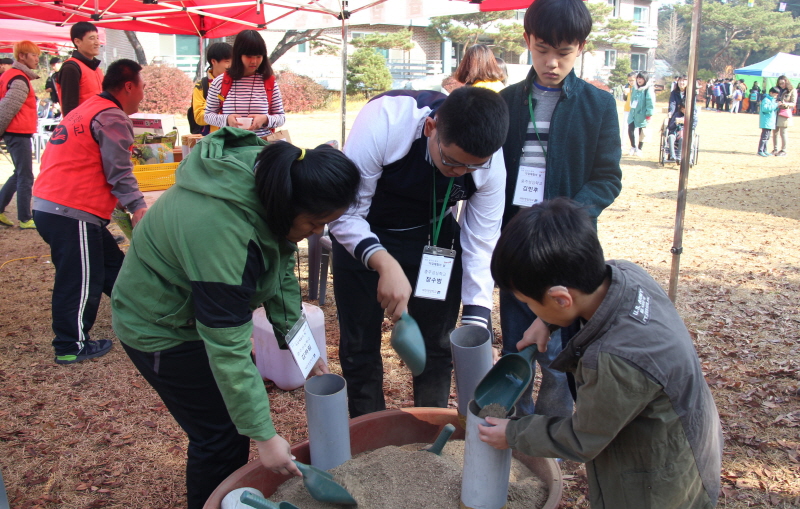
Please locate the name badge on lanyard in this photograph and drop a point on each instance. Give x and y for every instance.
(434, 272)
(530, 186)
(530, 181)
(302, 345)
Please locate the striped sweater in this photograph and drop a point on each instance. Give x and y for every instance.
(246, 97)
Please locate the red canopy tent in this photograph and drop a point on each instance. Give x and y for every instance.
(47, 37)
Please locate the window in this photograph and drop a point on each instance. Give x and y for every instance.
(640, 15)
(301, 48)
(187, 45)
(611, 58)
(638, 61)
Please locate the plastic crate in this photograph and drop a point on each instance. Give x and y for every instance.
(155, 177)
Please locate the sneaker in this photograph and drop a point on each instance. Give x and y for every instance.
(632, 152)
(5, 221)
(774, 151)
(27, 225)
(90, 350)
(782, 153)
(763, 154)
(638, 152)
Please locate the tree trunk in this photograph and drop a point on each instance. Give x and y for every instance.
(744, 60)
(137, 47)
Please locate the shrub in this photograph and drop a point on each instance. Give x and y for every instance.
(167, 90)
(367, 73)
(619, 75)
(301, 93)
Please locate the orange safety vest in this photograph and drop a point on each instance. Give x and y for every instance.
(91, 81)
(72, 169)
(26, 120)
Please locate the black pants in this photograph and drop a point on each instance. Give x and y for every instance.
(766, 134)
(361, 317)
(87, 261)
(632, 135)
(182, 377)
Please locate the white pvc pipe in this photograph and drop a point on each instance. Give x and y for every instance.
(472, 359)
(484, 482)
(328, 421)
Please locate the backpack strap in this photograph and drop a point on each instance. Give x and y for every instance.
(227, 82)
(204, 82)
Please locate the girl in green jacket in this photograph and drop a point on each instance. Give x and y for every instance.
(643, 100)
(215, 246)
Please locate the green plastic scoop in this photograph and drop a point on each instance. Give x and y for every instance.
(507, 379)
(322, 487)
(254, 500)
(408, 343)
(441, 440)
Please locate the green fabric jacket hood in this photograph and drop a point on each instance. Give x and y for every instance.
(200, 231)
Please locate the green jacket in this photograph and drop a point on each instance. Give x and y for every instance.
(645, 99)
(645, 422)
(205, 242)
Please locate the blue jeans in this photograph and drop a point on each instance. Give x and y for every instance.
(554, 397)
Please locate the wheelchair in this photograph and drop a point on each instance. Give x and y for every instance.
(664, 156)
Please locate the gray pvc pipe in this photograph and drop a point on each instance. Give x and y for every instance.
(328, 421)
(484, 482)
(472, 359)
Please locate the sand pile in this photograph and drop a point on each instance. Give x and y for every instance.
(402, 477)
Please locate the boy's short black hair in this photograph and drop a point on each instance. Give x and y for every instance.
(80, 29)
(119, 73)
(558, 21)
(54, 60)
(219, 51)
(775, 90)
(549, 244)
(6, 61)
(475, 119)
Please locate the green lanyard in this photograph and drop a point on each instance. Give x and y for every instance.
(533, 120)
(437, 225)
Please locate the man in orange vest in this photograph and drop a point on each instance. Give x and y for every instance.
(86, 171)
(18, 123)
(80, 76)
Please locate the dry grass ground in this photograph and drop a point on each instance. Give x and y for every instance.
(95, 434)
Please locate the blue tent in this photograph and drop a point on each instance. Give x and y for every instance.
(782, 64)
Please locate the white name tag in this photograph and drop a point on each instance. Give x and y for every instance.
(434, 273)
(530, 186)
(634, 103)
(302, 345)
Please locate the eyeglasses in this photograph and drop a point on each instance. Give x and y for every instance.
(484, 166)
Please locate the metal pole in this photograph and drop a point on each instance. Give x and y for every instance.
(344, 14)
(686, 150)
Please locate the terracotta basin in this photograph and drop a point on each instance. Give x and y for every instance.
(379, 429)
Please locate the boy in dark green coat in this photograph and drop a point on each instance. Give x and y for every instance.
(563, 140)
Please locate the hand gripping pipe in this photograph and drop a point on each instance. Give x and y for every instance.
(484, 482)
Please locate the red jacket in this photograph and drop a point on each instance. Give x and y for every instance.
(26, 120)
(72, 168)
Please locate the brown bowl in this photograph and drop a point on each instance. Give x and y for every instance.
(376, 430)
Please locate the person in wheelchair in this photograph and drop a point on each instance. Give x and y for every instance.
(675, 131)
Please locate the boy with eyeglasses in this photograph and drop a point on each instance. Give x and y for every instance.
(563, 134)
(419, 153)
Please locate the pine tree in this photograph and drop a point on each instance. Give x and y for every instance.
(367, 73)
(619, 75)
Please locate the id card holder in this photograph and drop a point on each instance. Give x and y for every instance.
(434, 272)
(634, 103)
(530, 186)
(302, 345)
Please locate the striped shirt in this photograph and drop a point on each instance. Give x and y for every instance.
(535, 148)
(246, 97)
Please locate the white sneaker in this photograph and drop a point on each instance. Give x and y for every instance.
(638, 153)
(632, 152)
